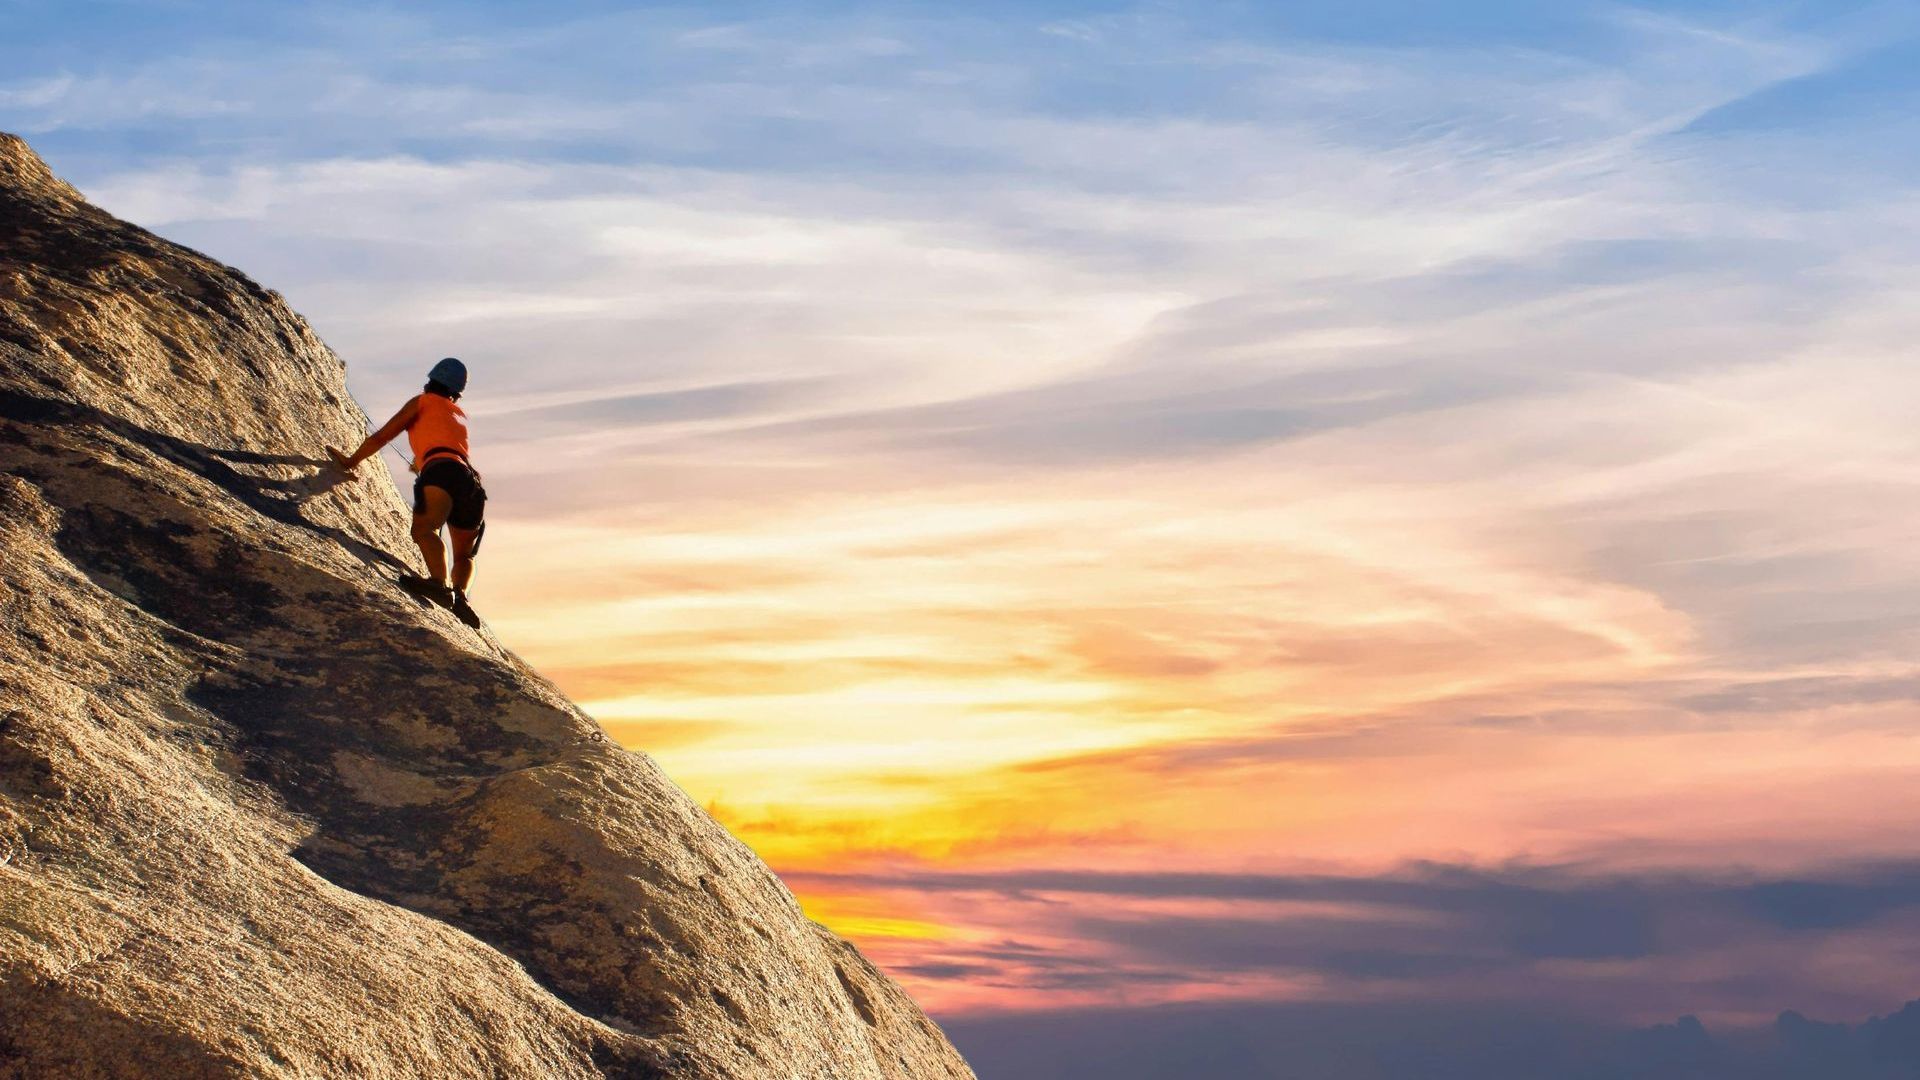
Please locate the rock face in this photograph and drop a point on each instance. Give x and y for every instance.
(261, 814)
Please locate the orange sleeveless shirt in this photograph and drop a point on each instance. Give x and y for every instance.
(439, 425)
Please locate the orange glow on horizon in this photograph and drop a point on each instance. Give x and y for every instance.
(1277, 674)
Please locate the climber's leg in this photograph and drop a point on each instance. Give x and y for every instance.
(463, 543)
(430, 510)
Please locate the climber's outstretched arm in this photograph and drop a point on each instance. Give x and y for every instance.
(379, 438)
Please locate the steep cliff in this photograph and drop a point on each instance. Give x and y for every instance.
(261, 813)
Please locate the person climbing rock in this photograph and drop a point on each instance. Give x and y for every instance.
(446, 492)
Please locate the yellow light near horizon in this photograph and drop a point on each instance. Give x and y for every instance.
(861, 918)
(1022, 668)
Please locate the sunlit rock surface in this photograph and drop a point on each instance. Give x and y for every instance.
(263, 814)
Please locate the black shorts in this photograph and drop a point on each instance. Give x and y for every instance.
(456, 479)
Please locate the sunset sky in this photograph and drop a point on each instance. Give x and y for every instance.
(1369, 505)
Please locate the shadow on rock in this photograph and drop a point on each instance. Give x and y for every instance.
(279, 499)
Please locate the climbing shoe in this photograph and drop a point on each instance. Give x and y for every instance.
(427, 590)
(464, 611)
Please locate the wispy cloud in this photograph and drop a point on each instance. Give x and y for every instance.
(1582, 941)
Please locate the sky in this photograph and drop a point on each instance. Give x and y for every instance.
(1362, 520)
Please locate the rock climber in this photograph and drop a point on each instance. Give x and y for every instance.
(446, 492)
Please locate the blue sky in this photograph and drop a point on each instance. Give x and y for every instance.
(1301, 405)
(1020, 128)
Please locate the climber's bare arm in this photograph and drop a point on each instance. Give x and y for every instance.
(379, 438)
